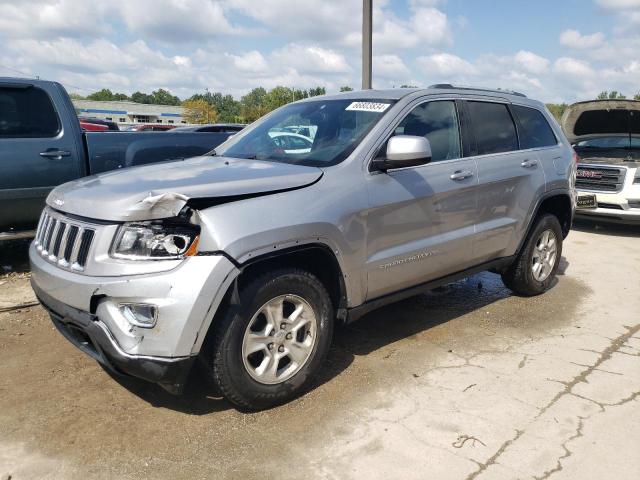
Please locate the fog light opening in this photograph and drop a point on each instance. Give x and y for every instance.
(139, 314)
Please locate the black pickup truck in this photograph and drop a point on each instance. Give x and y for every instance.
(42, 146)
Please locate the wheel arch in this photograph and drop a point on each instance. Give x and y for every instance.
(556, 202)
(317, 258)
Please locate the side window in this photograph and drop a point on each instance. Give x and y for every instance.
(27, 113)
(493, 127)
(299, 143)
(536, 131)
(438, 122)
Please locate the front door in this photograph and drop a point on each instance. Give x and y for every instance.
(36, 154)
(421, 219)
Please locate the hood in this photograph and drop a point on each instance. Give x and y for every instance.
(629, 159)
(161, 190)
(601, 118)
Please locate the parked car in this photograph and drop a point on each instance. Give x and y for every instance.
(42, 145)
(291, 142)
(246, 258)
(152, 127)
(89, 124)
(213, 127)
(606, 136)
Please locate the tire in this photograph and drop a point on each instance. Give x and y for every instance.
(522, 277)
(250, 323)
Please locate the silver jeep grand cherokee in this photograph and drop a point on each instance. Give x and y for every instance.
(247, 257)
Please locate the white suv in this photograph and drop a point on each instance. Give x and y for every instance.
(606, 136)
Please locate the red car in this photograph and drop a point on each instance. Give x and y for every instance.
(97, 125)
(149, 128)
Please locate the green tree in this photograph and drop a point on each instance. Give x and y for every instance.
(612, 95)
(314, 92)
(106, 95)
(557, 109)
(164, 97)
(278, 96)
(253, 104)
(199, 111)
(636, 96)
(408, 86)
(76, 96)
(228, 108)
(300, 94)
(346, 88)
(140, 97)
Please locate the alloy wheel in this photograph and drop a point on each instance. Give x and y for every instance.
(545, 255)
(279, 339)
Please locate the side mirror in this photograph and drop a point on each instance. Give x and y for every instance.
(404, 151)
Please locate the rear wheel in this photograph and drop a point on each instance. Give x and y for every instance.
(267, 349)
(537, 263)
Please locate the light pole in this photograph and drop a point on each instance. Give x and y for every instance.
(367, 23)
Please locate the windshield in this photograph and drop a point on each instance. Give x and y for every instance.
(610, 143)
(315, 133)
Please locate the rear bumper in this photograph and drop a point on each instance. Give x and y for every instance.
(91, 336)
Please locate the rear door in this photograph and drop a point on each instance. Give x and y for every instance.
(509, 179)
(421, 219)
(38, 151)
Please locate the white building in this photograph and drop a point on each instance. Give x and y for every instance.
(129, 113)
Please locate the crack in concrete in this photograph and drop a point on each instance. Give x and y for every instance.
(603, 356)
(492, 459)
(567, 452)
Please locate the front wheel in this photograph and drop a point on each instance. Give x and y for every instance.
(536, 265)
(267, 349)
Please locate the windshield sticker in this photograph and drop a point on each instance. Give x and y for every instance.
(368, 107)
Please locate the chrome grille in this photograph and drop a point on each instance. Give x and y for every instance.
(602, 179)
(63, 241)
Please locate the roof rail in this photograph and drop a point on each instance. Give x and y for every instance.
(448, 86)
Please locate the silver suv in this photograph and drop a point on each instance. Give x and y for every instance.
(246, 258)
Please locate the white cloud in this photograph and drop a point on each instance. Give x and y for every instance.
(339, 23)
(442, 65)
(176, 21)
(311, 59)
(619, 4)
(252, 61)
(531, 62)
(574, 39)
(431, 25)
(572, 67)
(390, 67)
(46, 19)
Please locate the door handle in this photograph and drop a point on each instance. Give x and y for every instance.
(55, 154)
(461, 175)
(529, 163)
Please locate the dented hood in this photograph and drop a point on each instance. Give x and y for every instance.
(601, 118)
(161, 190)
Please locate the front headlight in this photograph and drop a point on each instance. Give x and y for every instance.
(155, 241)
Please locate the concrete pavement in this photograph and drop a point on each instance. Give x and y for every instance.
(466, 382)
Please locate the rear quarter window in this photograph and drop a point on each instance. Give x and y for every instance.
(493, 127)
(535, 131)
(27, 113)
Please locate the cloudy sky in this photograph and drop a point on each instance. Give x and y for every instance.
(553, 50)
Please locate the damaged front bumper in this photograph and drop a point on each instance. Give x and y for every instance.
(92, 336)
(86, 310)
